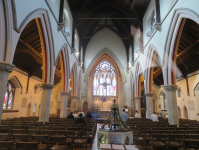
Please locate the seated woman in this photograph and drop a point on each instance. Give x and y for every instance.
(80, 119)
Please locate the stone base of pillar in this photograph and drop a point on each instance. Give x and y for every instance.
(64, 101)
(149, 105)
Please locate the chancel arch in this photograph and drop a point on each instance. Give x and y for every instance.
(104, 81)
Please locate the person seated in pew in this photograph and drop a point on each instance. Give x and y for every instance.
(137, 115)
(154, 117)
(124, 116)
(70, 116)
(75, 114)
(80, 119)
(88, 115)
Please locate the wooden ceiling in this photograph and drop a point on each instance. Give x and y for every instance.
(88, 14)
(187, 54)
(28, 54)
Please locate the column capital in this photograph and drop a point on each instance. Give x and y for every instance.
(65, 93)
(148, 94)
(73, 97)
(133, 99)
(138, 97)
(6, 68)
(47, 86)
(170, 88)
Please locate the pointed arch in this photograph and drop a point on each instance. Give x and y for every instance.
(152, 57)
(162, 93)
(6, 25)
(74, 74)
(47, 42)
(171, 44)
(65, 67)
(138, 73)
(196, 88)
(16, 82)
(132, 84)
(113, 56)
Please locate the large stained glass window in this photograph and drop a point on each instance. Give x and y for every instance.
(104, 82)
(8, 99)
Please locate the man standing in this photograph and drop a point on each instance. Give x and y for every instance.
(137, 115)
(154, 117)
(124, 116)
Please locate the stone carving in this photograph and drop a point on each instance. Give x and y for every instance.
(137, 98)
(191, 105)
(179, 91)
(66, 34)
(73, 97)
(115, 139)
(103, 139)
(162, 93)
(6, 68)
(47, 86)
(170, 88)
(65, 93)
(73, 50)
(148, 94)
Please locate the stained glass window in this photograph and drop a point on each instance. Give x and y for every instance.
(8, 99)
(104, 82)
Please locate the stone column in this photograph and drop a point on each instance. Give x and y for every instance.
(73, 103)
(77, 104)
(64, 101)
(45, 102)
(133, 107)
(172, 107)
(5, 69)
(149, 105)
(138, 104)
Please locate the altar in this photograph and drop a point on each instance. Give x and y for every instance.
(104, 114)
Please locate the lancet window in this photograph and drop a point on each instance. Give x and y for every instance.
(9, 95)
(104, 82)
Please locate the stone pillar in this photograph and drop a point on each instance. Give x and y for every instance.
(45, 102)
(133, 107)
(73, 103)
(172, 107)
(5, 69)
(79, 104)
(149, 105)
(64, 101)
(138, 104)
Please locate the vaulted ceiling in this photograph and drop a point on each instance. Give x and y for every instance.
(91, 16)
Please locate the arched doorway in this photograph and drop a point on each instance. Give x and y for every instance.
(179, 111)
(29, 110)
(185, 113)
(34, 109)
(39, 109)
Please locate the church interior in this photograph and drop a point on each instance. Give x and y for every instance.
(102, 58)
